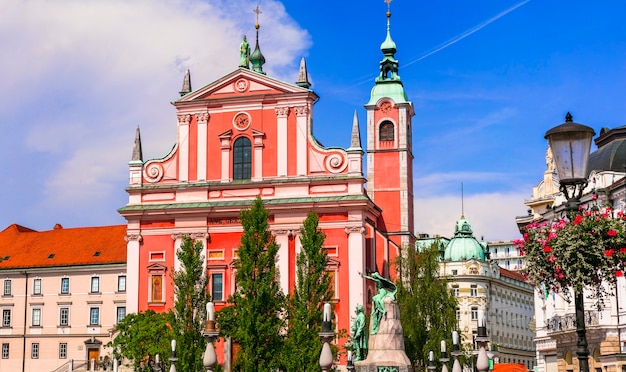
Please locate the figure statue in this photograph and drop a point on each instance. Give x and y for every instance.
(359, 335)
(244, 53)
(550, 159)
(385, 288)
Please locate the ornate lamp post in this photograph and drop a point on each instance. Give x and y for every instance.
(456, 352)
(431, 362)
(173, 358)
(482, 362)
(326, 356)
(210, 333)
(570, 143)
(444, 357)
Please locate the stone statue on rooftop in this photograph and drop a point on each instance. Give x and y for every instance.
(244, 53)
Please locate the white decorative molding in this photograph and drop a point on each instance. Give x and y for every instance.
(153, 172)
(282, 112)
(241, 85)
(335, 162)
(184, 119)
(301, 110)
(355, 229)
(133, 238)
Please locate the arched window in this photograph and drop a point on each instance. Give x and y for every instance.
(386, 132)
(242, 159)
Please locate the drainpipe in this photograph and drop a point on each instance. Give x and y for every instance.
(25, 313)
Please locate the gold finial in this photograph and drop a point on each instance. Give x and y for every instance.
(388, 7)
(258, 11)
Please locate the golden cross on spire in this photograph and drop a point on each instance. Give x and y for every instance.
(258, 11)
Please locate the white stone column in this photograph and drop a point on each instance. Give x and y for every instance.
(177, 238)
(257, 175)
(183, 147)
(132, 272)
(281, 141)
(282, 239)
(203, 237)
(302, 118)
(225, 146)
(202, 119)
(356, 265)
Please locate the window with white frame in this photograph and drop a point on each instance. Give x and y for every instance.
(217, 287)
(37, 286)
(6, 317)
(36, 318)
(5, 350)
(474, 313)
(63, 350)
(34, 350)
(64, 316)
(121, 313)
(121, 283)
(7, 287)
(455, 290)
(94, 316)
(95, 284)
(65, 285)
(473, 290)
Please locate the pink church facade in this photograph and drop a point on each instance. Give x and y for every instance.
(247, 135)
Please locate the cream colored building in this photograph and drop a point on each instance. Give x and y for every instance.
(63, 291)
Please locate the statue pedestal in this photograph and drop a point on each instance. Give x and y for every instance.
(386, 348)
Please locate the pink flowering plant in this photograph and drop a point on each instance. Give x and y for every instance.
(586, 250)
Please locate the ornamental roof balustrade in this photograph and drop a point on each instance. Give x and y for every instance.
(567, 322)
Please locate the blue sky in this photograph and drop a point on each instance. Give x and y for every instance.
(487, 79)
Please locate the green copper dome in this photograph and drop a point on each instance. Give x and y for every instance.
(463, 245)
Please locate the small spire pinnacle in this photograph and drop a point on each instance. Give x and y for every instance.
(303, 75)
(355, 141)
(256, 58)
(186, 84)
(137, 153)
(569, 118)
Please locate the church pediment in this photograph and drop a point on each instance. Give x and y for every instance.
(240, 83)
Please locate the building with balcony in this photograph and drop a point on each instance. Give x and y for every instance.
(555, 325)
(63, 291)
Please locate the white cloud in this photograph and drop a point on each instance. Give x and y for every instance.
(492, 215)
(83, 74)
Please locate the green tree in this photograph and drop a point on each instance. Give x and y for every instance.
(255, 316)
(140, 337)
(189, 313)
(306, 305)
(427, 307)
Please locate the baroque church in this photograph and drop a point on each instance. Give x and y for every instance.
(247, 134)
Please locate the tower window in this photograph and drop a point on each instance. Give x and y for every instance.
(242, 159)
(386, 132)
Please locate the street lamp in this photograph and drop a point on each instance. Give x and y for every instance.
(570, 143)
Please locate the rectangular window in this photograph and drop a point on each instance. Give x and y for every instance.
(6, 318)
(121, 283)
(121, 313)
(473, 290)
(65, 285)
(36, 320)
(95, 284)
(94, 316)
(455, 291)
(34, 351)
(37, 286)
(64, 316)
(474, 313)
(63, 350)
(5, 351)
(217, 287)
(7, 287)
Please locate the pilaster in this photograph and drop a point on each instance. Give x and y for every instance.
(281, 141)
(202, 119)
(282, 239)
(132, 271)
(356, 265)
(302, 118)
(183, 147)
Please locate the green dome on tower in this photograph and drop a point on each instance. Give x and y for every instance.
(463, 246)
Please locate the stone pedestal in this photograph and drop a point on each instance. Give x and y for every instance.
(386, 348)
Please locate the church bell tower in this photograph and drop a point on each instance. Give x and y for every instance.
(389, 147)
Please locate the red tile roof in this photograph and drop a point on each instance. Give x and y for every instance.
(28, 248)
(512, 274)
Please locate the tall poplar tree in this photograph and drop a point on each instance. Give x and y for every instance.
(427, 307)
(255, 317)
(189, 313)
(306, 305)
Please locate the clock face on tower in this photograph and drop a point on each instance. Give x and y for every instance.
(385, 107)
(241, 121)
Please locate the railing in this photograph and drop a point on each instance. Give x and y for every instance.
(568, 322)
(69, 366)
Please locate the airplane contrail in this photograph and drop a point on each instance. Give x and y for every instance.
(469, 32)
(461, 36)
